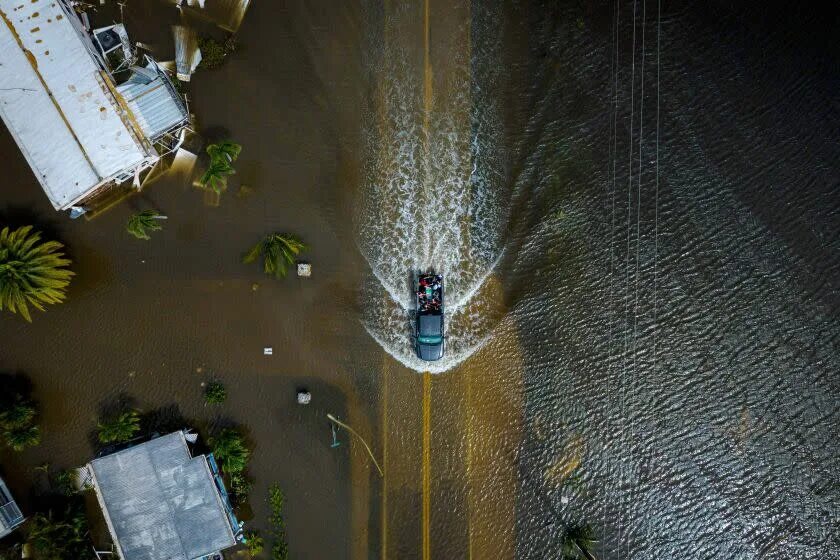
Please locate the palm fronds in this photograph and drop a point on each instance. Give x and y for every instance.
(578, 543)
(278, 251)
(226, 150)
(222, 155)
(122, 428)
(143, 222)
(32, 272)
(229, 448)
(215, 176)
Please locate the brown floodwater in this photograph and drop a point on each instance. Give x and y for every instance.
(636, 209)
(147, 322)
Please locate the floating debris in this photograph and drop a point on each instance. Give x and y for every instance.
(304, 270)
(268, 351)
(187, 53)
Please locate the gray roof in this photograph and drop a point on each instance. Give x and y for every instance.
(10, 515)
(160, 503)
(155, 104)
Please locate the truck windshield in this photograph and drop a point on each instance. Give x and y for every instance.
(430, 339)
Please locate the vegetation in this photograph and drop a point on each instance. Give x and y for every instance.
(254, 542)
(57, 537)
(578, 543)
(229, 449)
(213, 53)
(240, 487)
(280, 548)
(222, 155)
(32, 272)
(215, 393)
(278, 251)
(66, 481)
(140, 224)
(17, 424)
(120, 428)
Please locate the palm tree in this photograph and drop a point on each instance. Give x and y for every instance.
(215, 177)
(64, 536)
(19, 414)
(143, 222)
(222, 155)
(226, 151)
(21, 438)
(120, 429)
(229, 448)
(577, 543)
(31, 272)
(278, 251)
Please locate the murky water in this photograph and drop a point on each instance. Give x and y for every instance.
(636, 207)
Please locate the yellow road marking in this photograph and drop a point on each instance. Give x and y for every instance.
(384, 543)
(427, 464)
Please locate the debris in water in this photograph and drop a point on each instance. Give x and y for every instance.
(304, 396)
(187, 53)
(304, 270)
(268, 351)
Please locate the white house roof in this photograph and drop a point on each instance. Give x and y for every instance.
(58, 104)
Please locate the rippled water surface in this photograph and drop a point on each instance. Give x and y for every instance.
(636, 208)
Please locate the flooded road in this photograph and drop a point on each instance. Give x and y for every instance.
(636, 208)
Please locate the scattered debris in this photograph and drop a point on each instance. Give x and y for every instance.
(304, 270)
(304, 396)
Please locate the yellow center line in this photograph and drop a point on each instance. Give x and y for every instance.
(385, 458)
(427, 464)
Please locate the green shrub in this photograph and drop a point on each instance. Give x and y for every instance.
(213, 53)
(254, 542)
(280, 548)
(215, 393)
(240, 487)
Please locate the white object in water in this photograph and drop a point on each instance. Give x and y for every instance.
(268, 351)
(304, 397)
(304, 270)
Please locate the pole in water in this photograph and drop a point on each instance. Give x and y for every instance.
(367, 447)
(335, 442)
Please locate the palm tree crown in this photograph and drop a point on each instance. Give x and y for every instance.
(226, 150)
(120, 429)
(278, 250)
(143, 222)
(229, 448)
(31, 272)
(222, 155)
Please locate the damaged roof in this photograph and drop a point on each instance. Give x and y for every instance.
(59, 104)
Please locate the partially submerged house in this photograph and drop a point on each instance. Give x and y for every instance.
(10, 515)
(86, 111)
(161, 503)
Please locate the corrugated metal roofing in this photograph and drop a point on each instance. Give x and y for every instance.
(155, 105)
(10, 515)
(57, 104)
(161, 503)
